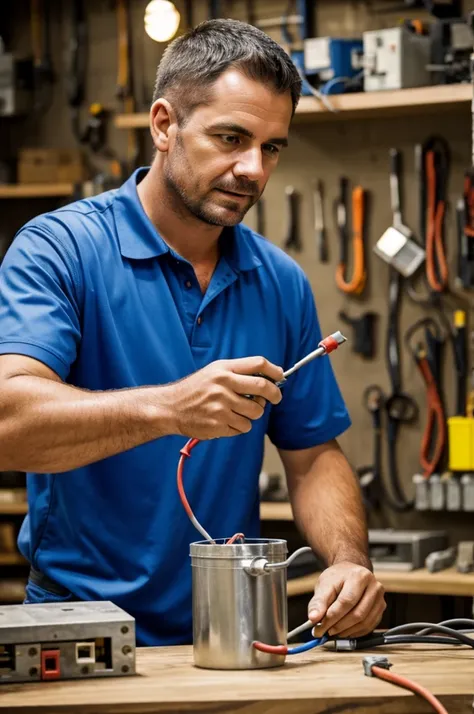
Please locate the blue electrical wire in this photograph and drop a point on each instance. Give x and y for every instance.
(307, 646)
(326, 88)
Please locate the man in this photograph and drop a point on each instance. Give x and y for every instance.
(139, 318)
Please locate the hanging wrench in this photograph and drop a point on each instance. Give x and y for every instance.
(292, 240)
(319, 226)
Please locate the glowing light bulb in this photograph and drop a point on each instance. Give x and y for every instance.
(161, 20)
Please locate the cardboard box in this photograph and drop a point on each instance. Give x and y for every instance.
(50, 166)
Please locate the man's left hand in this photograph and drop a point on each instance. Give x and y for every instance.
(348, 601)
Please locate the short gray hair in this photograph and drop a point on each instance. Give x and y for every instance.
(193, 62)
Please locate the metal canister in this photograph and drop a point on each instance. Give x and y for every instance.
(232, 608)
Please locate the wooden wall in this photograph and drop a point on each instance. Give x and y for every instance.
(357, 148)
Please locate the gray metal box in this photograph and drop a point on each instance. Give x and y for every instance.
(72, 640)
(403, 550)
(395, 58)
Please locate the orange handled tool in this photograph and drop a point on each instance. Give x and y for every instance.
(426, 352)
(436, 263)
(435, 434)
(359, 276)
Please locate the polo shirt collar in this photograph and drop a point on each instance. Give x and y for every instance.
(139, 239)
(137, 236)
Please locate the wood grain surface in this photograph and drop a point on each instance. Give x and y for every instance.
(317, 682)
(358, 105)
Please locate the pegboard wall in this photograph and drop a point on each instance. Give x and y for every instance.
(358, 149)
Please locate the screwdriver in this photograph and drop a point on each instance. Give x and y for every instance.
(327, 345)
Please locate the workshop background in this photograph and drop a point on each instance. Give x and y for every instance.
(43, 165)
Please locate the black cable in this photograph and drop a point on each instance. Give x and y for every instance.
(431, 628)
(408, 640)
(461, 621)
(416, 639)
(401, 409)
(392, 344)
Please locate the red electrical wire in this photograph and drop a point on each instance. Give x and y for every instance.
(435, 253)
(409, 684)
(271, 649)
(185, 454)
(435, 429)
(234, 538)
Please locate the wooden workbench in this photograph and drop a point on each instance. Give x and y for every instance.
(312, 683)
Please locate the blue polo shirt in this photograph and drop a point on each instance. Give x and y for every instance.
(94, 292)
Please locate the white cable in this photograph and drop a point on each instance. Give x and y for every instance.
(202, 530)
(322, 98)
(302, 628)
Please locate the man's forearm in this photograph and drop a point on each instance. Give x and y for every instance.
(328, 509)
(49, 427)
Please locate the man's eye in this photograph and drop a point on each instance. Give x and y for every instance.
(230, 138)
(271, 149)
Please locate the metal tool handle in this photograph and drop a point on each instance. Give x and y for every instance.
(319, 228)
(292, 234)
(358, 212)
(420, 176)
(327, 345)
(342, 219)
(395, 158)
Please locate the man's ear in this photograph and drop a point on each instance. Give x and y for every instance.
(162, 124)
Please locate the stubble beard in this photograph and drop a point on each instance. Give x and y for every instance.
(185, 205)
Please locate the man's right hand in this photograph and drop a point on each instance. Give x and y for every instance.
(210, 402)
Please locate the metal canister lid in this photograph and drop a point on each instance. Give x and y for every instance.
(273, 549)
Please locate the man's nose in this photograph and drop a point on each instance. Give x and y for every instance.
(250, 164)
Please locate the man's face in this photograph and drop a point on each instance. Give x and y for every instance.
(219, 162)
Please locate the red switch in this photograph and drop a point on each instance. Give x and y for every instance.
(50, 667)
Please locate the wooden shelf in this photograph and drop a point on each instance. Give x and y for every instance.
(36, 190)
(13, 509)
(13, 501)
(12, 559)
(421, 582)
(138, 120)
(274, 511)
(12, 590)
(361, 104)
